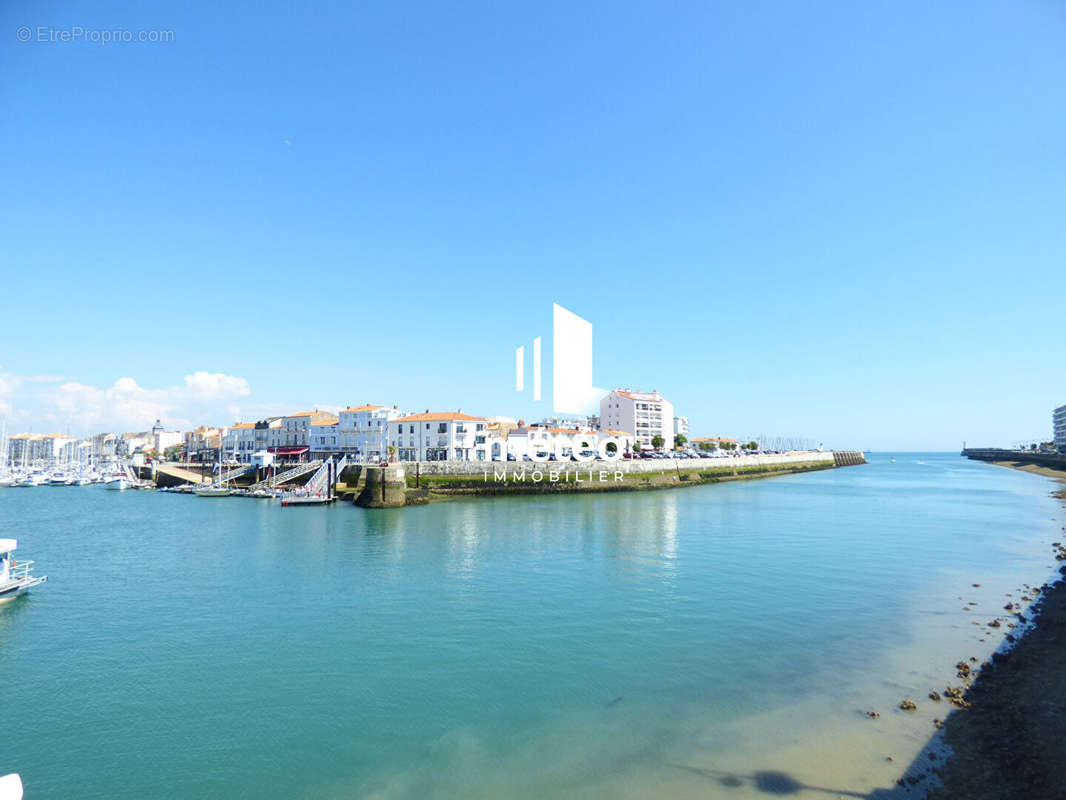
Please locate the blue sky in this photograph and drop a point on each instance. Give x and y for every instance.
(830, 219)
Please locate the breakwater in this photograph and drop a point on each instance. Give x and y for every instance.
(426, 481)
(1053, 460)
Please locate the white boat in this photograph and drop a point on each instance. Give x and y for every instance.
(29, 480)
(11, 787)
(213, 491)
(6, 481)
(293, 499)
(15, 577)
(117, 483)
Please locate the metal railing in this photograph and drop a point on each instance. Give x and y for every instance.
(288, 475)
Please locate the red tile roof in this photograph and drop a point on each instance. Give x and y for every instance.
(440, 416)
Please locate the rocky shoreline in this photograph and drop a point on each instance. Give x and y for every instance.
(1009, 735)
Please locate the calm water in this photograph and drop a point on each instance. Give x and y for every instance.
(668, 643)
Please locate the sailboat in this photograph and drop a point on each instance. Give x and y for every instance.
(219, 488)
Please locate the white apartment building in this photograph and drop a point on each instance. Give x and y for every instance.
(646, 414)
(324, 439)
(363, 431)
(162, 438)
(41, 448)
(438, 436)
(238, 442)
(292, 438)
(244, 439)
(1058, 421)
(681, 426)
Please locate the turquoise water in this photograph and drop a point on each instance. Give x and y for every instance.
(616, 645)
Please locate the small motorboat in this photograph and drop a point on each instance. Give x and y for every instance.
(11, 787)
(15, 577)
(213, 491)
(117, 483)
(305, 500)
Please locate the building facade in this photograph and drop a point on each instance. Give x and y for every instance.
(646, 414)
(203, 443)
(1058, 421)
(324, 440)
(163, 439)
(291, 439)
(238, 442)
(364, 431)
(681, 426)
(438, 436)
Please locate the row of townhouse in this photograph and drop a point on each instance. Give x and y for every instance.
(455, 436)
(359, 432)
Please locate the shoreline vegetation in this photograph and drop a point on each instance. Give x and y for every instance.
(1009, 736)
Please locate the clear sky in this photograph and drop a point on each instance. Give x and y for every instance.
(833, 219)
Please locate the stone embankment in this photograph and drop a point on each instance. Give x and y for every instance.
(426, 481)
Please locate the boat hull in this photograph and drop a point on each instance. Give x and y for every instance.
(213, 492)
(117, 484)
(18, 588)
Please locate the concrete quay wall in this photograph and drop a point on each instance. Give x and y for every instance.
(638, 466)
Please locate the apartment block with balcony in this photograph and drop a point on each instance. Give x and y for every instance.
(364, 430)
(1058, 421)
(291, 439)
(238, 442)
(647, 414)
(439, 436)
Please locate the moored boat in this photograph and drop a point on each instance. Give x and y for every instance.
(11, 787)
(15, 578)
(214, 491)
(117, 483)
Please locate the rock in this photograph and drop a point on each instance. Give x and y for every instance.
(994, 623)
(908, 705)
(873, 714)
(963, 668)
(1008, 607)
(938, 723)
(976, 585)
(934, 696)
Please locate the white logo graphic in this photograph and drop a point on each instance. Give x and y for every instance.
(572, 389)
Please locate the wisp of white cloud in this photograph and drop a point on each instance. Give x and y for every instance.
(45, 403)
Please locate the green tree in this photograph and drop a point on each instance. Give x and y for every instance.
(752, 445)
(708, 446)
(657, 441)
(679, 441)
(612, 448)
